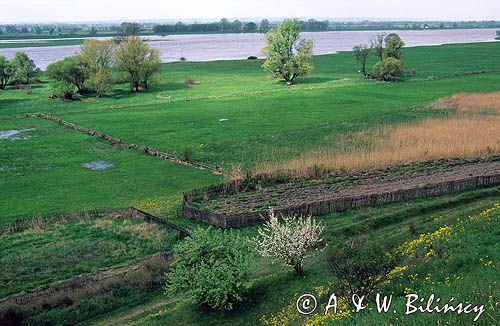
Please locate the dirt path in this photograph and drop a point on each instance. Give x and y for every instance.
(362, 184)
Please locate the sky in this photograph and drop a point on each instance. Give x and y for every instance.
(106, 10)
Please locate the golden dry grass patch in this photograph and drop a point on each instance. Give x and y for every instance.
(463, 136)
(470, 103)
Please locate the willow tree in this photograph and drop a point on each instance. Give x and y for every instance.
(393, 47)
(287, 55)
(138, 61)
(97, 57)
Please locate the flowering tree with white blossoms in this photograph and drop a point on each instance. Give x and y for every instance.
(288, 240)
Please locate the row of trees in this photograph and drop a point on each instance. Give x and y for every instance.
(20, 70)
(223, 25)
(234, 26)
(91, 69)
(387, 49)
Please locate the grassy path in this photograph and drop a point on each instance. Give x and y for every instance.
(133, 314)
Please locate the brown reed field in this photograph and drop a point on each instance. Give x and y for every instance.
(472, 130)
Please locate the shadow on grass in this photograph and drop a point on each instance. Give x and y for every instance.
(315, 80)
(126, 93)
(8, 103)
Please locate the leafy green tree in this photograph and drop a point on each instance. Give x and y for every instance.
(138, 61)
(225, 25)
(361, 54)
(249, 27)
(236, 25)
(25, 67)
(389, 69)
(101, 81)
(96, 54)
(70, 75)
(288, 56)
(97, 58)
(264, 26)
(211, 268)
(7, 72)
(393, 47)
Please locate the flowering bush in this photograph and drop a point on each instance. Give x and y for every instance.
(287, 241)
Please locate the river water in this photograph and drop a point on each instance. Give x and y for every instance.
(207, 47)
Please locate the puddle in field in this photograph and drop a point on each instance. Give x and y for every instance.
(98, 165)
(14, 134)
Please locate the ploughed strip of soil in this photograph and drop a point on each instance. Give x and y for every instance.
(365, 183)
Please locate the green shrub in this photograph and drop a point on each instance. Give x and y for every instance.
(211, 268)
(389, 69)
(63, 90)
(360, 266)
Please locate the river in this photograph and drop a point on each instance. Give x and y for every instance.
(208, 47)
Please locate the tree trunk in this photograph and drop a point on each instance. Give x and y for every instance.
(298, 269)
(136, 87)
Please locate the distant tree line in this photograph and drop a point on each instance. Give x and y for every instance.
(224, 26)
(235, 26)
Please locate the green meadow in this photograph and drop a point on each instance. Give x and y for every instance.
(43, 173)
(61, 42)
(235, 116)
(57, 252)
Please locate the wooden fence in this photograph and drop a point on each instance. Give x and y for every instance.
(235, 220)
(121, 144)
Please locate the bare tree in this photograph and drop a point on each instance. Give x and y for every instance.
(377, 44)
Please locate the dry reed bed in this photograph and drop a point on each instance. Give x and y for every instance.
(476, 102)
(472, 132)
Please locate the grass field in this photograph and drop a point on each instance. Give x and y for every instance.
(62, 42)
(266, 119)
(44, 174)
(235, 117)
(48, 253)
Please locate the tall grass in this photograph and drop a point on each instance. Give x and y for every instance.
(469, 133)
(477, 102)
